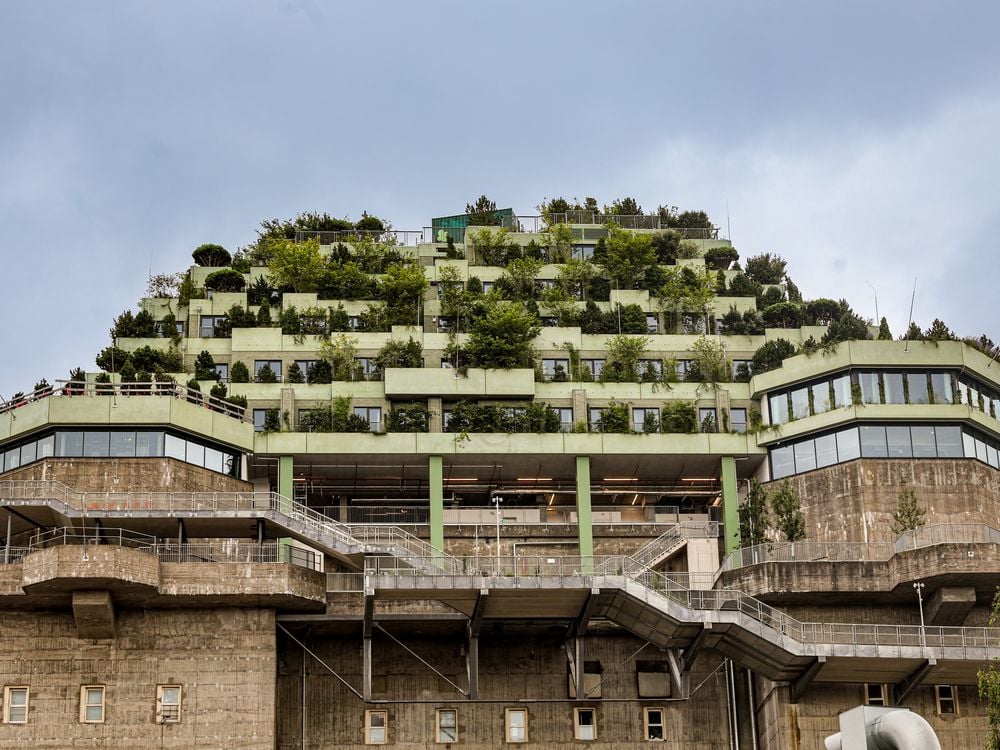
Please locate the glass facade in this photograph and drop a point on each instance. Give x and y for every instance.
(123, 443)
(883, 441)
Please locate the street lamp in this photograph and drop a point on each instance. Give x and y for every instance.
(920, 602)
(496, 501)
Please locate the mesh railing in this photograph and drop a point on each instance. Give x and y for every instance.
(924, 536)
(158, 388)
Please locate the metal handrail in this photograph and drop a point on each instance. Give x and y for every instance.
(924, 536)
(673, 538)
(155, 388)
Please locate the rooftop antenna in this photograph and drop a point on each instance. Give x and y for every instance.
(878, 320)
(910, 322)
(729, 228)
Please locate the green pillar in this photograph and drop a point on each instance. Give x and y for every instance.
(585, 525)
(436, 483)
(730, 505)
(285, 466)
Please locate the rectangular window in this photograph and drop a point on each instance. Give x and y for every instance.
(779, 408)
(651, 370)
(208, 324)
(168, 704)
(800, 403)
(826, 450)
(652, 323)
(95, 444)
(175, 447)
(821, 397)
(376, 726)
(848, 445)
(595, 366)
(273, 364)
(653, 718)
(28, 452)
(148, 444)
(922, 440)
(15, 704)
(583, 252)
(892, 383)
(875, 695)
(373, 414)
(259, 418)
(708, 419)
(565, 418)
(805, 456)
(916, 387)
(947, 699)
(782, 462)
(949, 442)
(738, 420)
(870, 391)
(682, 368)
(123, 444)
(594, 415)
(555, 369)
(92, 704)
(214, 459)
(447, 725)
(195, 454)
(873, 441)
(585, 722)
(46, 446)
(842, 391)
(367, 366)
(646, 419)
(12, 459)
(898, 440)
(941, 388)
(741, 368)
(517, 724)
(222, 370)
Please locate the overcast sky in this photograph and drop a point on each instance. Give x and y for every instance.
(856, 139)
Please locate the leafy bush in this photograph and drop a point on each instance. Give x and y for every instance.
(225, 280)
(749, 323)
(771, 355)
(294, 374)
(408, 418)
(679, 417)
(709, 364)
(502, 337)
(211, 256)
(765, 268)
(204, 367)
(482, 213)
(399, 354)
(666, 245)
(622, 361)
(615, 418)
(470, 416)
(783, 315)
(334, 418)
(721, 258)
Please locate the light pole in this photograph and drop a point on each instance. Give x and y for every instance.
(496, 501)
(920, 602)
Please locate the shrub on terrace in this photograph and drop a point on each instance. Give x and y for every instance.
(679, 417)
(334, 418)
(721, 258)
(771, 355)
(502, 337)
(204, 366)
(239, 373)
(211, 256)
(408, 418)
(225, 280)
(399, 354)
(615, 418)
(765, 268)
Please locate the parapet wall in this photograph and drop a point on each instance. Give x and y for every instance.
(129, 475)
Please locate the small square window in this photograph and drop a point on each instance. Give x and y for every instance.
(447, 725)
(168, 704)
(376, 727)
(875, 694)
(92, 704)
(15, 704)
(585, 723)
(517, 724)
(654, 721)
(947, 699)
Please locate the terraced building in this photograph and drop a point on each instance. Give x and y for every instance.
(477, 486)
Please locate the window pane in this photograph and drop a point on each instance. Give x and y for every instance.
(779, 408)
(916, 386)
(848, 445)
(171, 695)
(123, 444)
(922, 438)
(873, 441)
(805, 456)
(941, 388)
(12, 459)
(821, 397)
(46, 446)
(69, 444)
(782, 462)
(842, 391)
(94, 713)
(991, 456)
(968, 445)
(869, 387)
(28, 452)
(195, 454)
(980, 449)
(213, 459)
(800, 403)
(149, 444)
(898, 439)
(175, 447)
(949, 442)
(893, 382)
(738, 420)
(95, 444)
(826, 450)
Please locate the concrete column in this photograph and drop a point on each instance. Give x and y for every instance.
(730, 505)
(585, 527)
(435, 473)
(579, 396)
(435, 423)
(285, 465)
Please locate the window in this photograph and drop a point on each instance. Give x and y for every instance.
(740, 366)
(779, 408)
(583, 252)
(916, 387)
(92, 704)
(168, 704)
(941, 388)
(800, 403)
(947, 699)
(273, 364)
(565, 418)
(738, 420)
(123, 444)
(367, 366)
(708, 419)
(842, 391)
(646, 419)
(96, 444)
(652, 323)
(585, 723)
(259, 419)
(222, 370)
(821, 397)
(875, 694)
(209, 324)
(555, 369)
(653, 719)
(15, 705)
(870, 391)
(447, 725)
(873, 441)
(371, 413)
(826, 450)
(782, 462)
(595, 366)
(549, 321)
(650, 369)
(517, 724)
(682, 368)
(376, 724)
(594, 414)
(805, 456)
(893, 387)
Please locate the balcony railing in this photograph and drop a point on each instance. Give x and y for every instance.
(419, 514)
(175, 390)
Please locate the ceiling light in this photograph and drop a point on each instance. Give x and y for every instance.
(534, 479)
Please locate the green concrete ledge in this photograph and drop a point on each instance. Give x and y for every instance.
(417, 383)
